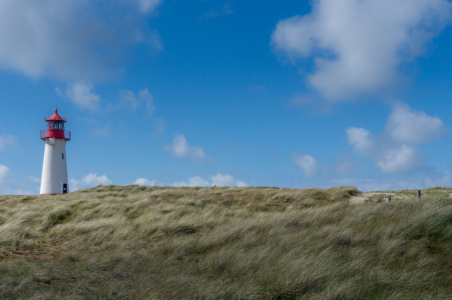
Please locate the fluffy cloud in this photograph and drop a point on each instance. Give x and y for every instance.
(358, 45)
(408, 126)
(71, 39)
(307, 163)
(144, 98)
(192, 182)
(401, 160)
(90, 180)
(7, 141)
(359, 138)
(218, 179)
(146, 182)
(181, 149)
(388, 155)
(395, 151)
(81, 95)
(5, 174)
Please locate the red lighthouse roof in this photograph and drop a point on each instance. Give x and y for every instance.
(56, 117)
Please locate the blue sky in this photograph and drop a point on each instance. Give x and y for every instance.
(262, 93)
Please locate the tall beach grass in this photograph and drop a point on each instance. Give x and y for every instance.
(133, 242)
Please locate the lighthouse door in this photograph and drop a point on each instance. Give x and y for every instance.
(64, 188)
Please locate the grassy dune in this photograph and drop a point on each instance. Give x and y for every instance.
(134, 242)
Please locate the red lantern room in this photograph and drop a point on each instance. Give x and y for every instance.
(55, 128)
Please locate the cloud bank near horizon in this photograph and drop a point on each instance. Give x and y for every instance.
(219, 179)
(395, 150)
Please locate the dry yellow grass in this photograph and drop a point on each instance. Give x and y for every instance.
(134, 242)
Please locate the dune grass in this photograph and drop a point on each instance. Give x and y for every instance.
(133, 242)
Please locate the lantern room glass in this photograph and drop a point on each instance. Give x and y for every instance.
(55, 125)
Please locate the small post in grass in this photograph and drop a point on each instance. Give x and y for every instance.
(419, 194)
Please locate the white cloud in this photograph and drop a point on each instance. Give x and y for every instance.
(81, 95)
(307, 163)
(71, 39)
(7, 141)
(220, 179)
(395, 151)
(192, 182)
(181, 149)
(144, 98)
(402, 160)
(408, 126)
(387, 154)
(359, 138)
(5, 174)
(359, 45)
(145, 182)
(90, 180)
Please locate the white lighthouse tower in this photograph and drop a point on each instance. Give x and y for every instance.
(54, 169)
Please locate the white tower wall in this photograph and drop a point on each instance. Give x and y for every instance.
(54, 169)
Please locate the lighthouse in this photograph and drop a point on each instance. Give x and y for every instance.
(54, 168)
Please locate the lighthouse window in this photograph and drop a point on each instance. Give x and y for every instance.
(62, 155)
(55, 125)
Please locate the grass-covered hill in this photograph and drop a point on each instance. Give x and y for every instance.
(133, 242)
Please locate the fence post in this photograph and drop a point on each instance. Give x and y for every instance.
(419, 194)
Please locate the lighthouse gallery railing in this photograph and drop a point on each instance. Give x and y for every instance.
(55, 133)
